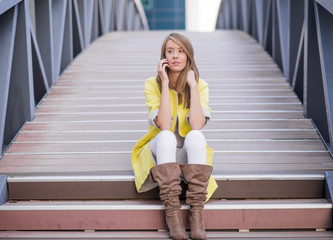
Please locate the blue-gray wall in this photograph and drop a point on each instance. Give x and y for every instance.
(165, 14)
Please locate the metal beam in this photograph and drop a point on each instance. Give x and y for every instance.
(8, 24)
(58, 9)
(78, 40)
(325, 39)
(276, 39)
(21, 103)
(44, 36)
(41, 85)
(314, 101)
(3, 189)
(260, 20)
(297, 78)
(67, 47)
(245, 10)
(283, 12)
(295, 34)
(267, 42)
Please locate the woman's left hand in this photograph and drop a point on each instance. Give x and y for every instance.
(191, 78)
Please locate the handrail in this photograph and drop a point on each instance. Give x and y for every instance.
(298, 35)
(40, 38)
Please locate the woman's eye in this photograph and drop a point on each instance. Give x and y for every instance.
(169, 51)
(181, 51)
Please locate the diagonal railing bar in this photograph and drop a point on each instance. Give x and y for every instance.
(268, 30)
(104, 10)
(58, 25)
(8, 22)
(313, 95)
(67, 47)
(21, 102)
(298, 35)
(260, 19)
(297, 68)
(78, 40)
(43, 15)
(324, 20)
(40, 79)
(40, 38)
(283, 9)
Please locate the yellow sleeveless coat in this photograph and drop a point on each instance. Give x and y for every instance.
(142, 160)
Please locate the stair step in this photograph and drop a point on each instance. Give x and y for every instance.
(149, 215)
(294, 235)
(121, 186)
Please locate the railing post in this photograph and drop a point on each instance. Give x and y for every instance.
(295, 34)
(44, 36)
(246, 8)
(283, 11)
(3, 189)
(268, 32)
(324, 20)
(8, 22)
(21, 102)
(314, 101)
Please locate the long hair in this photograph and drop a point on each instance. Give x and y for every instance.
(182, 88)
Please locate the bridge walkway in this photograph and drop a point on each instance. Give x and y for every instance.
(79, 145)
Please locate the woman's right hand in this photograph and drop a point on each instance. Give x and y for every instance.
(162, 65)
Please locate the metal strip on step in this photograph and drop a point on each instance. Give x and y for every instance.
(112, 206)
(121, 178)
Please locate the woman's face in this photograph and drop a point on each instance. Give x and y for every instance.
(176, 56)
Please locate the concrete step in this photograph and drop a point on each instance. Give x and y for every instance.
(118, 185)
(149, 215)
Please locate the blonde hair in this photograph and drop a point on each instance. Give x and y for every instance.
(182, 88)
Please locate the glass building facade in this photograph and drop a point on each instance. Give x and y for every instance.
(165, 14)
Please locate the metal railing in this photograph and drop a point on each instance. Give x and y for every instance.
(299, 37)
(40, 38)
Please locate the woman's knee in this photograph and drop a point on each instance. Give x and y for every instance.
(195, 146)
(166, 146)
(195, 138)
(167, 138)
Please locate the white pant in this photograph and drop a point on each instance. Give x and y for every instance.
(164, 148)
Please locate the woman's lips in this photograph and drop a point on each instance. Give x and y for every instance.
(175, 63)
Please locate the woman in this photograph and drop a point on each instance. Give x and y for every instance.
(178, 109)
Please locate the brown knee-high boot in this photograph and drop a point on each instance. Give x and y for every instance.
(168, 178)
(197, 176)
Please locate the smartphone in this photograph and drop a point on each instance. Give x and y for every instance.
(166, 68)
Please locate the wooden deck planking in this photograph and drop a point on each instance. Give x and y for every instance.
(81, 136)
(105, 159)
(227, 163)
(225, 157)
(225, 115)
(141, 107)
(92, 117)
(126, 145)
(141, 124)
(141, 100)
